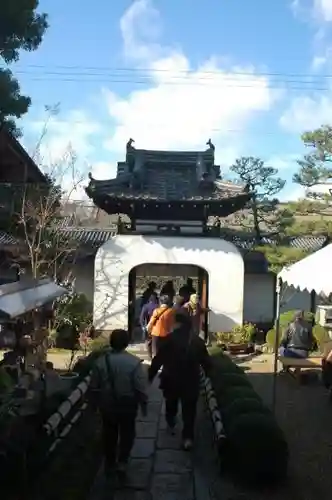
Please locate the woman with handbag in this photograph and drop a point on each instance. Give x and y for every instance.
(161, 323)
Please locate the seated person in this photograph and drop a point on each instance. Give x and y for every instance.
(297, 340)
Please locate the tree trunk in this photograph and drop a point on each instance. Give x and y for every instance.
(256, 220)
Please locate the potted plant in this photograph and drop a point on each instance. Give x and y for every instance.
(242, 336)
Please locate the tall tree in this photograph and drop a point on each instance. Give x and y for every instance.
(263, 183)
(21, 28)
(314, 168)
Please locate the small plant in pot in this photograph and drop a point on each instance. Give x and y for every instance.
(242, 338)
(69, 376)
(73, 313)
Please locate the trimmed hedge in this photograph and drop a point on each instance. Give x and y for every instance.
(257, 451)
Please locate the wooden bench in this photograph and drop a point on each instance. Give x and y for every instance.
(311, 362)
(299, 364)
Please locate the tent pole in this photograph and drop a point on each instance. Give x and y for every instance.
(276, 344)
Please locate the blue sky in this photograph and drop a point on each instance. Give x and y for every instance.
(249, 74)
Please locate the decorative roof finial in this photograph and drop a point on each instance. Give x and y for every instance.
(90, 176)
(130, 143)
(210, 144)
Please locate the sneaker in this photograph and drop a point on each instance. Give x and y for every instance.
(187, 444)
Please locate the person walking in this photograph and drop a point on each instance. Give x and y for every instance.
(161, 323)
(181, 355)
(196, 311)
(187, 289)
(120, 385)
(146, 314)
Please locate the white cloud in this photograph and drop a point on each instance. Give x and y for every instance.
(283, 162)
(62, 147)
(62, 134)
(307, 113)
(294, 194)
(317, 10)
(323, 9)
(181, 107)
(103, 169)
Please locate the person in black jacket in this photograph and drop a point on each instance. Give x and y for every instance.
(182, 355)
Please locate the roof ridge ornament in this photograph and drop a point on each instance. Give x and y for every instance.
(211, 145)
(130, 143)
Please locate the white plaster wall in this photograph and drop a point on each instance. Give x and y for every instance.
(82, 272)
(119, 255)
(259, 291)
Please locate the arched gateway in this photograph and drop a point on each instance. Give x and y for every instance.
(171, 198)
(115, 259)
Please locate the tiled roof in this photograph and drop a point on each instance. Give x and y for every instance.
(311, 243)
(167, 176)
(97, 237)
(7, 239)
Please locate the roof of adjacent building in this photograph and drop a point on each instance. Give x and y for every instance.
(11, 150)
(167, 176)
(96, 237)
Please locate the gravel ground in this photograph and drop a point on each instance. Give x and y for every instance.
(305, 414)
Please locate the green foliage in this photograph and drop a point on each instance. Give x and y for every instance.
(74, 310)
(288, 316)
(84, 365)
(242, 406)
(6, 382)
(321, 335)
(21, 28)
(12, 103)
(99, 343)
(263, 183)
(73, 314)
(235, 380)
(257, 449)
(239, 334)
(281, 256)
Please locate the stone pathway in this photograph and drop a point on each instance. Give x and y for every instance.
(159, 469)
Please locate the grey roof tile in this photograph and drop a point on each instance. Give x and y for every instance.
(167, 176)
(96, 237)
(7, 239)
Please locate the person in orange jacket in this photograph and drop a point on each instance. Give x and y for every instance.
(161, 323)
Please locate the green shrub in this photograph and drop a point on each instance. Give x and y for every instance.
(231, 394)
(99, 343)
(242, 406)
(288, 316)
(235, 380)
(258, 449)
(83, 366)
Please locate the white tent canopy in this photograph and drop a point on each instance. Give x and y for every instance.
(19, 297)
(313, 273)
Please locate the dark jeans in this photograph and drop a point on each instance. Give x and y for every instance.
(156, 342)
(188, 405)
(291, 353)
(118, 436)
